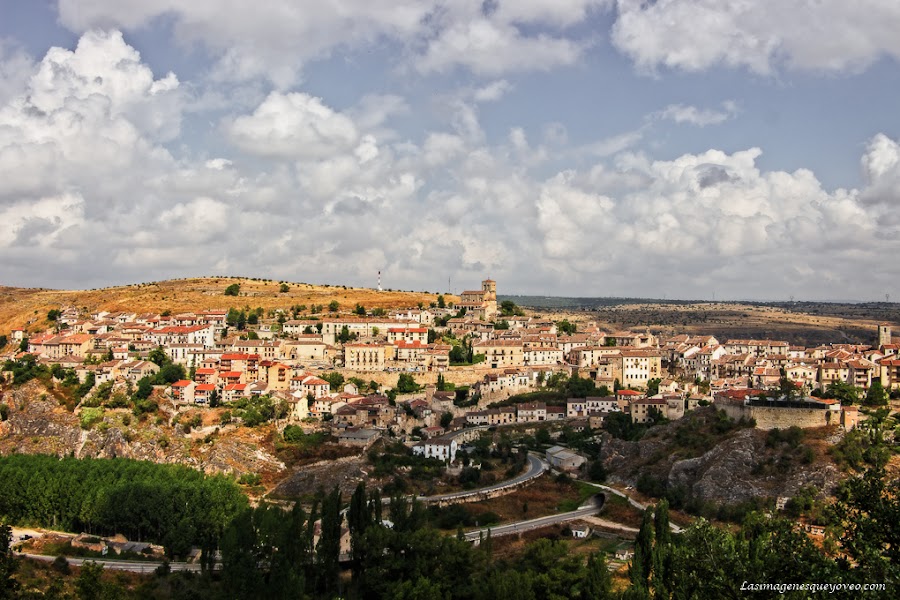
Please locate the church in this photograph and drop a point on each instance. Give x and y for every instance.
(480, 304)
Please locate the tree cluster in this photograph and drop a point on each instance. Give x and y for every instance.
(165, 504)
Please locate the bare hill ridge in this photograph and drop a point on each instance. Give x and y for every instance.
(20, 307)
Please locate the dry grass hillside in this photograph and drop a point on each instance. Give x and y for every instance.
(28, 307)
(804, 324)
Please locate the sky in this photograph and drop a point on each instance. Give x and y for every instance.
(690, 149)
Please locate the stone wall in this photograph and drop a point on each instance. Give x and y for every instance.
(457, 376)
(782, 418)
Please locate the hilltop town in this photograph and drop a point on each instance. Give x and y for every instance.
(459, 403)
(420, 372)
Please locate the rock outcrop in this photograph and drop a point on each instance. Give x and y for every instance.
(38, 424)
(730, 471)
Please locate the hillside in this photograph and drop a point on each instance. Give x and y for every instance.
(39, 423)
(808, 324)
(20, 307)
(706, 464)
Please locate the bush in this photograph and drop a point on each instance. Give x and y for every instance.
(651, 486)
(90, 416)
(293, 434)
(469, 477)
(233, 290)
(61, 565)
(596, 471)
(249, 479)
(407, 384)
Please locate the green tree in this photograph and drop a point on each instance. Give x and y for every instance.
(566, 327)
(504, 324)
(334, 306)
(284, 288)
(233, 290)
(144, 389)
(786, 387)
(406, 384)
(334, 379)
(580, 387)
(441, 303)
(597, 582)
(169, 373)
(876, 395)
(345, 336)
(240, 573)
(360, 310)
(328, 548)
(158, 356)
(508, 308)
(842, 391)
(359, 518)
(653, 386)
(867, 509)
(446, 419)
(89, 584)
(3, 341)
(8, 565)
(53, 314)
(457, 354)
(642, 563)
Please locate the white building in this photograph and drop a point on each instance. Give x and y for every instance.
(441, 449)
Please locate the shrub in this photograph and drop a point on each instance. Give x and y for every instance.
(249, 479)
(233, 290)
(293, 434)
(61, 565)
(90, 416)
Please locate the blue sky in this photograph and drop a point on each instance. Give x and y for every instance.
(569, 147)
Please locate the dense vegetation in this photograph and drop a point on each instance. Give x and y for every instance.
(271, 553)
(166, 504)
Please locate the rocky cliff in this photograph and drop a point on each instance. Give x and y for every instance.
(38, 424)
(729, 467)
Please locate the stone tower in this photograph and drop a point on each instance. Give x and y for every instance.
(489, 287)
(884, 334)
(489, 299)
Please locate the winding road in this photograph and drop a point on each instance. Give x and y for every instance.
(536, 467)
(523, 526)
(132, 566)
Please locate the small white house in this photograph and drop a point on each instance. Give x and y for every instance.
(442, 449)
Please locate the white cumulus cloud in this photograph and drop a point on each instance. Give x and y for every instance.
(293, 125)
(759, 35)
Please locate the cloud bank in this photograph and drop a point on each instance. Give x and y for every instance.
(99, 189)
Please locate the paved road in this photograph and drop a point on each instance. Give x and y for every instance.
(536, 467)
(675, 528)
(522, 526)
(132, 566)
